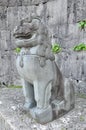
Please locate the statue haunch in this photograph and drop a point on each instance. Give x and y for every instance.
(47, 95)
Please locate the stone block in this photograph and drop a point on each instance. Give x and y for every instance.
(57, 108)
(57, 12)
(3, 2)
(82, 87)
(16, 14)
(4, 68)
(26, 2)
(5, 40)
(3, 18)
(42, 116)
(17, 119)
(80, 10)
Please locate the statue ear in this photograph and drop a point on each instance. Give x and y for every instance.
(35, 24)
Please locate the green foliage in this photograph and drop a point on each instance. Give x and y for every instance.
(14, 86)
(80, 47)
(82, 24)
(56, 48)
(17, 50)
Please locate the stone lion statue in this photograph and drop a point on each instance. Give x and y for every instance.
(43, 85)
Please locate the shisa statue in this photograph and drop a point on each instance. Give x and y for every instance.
(47, 95)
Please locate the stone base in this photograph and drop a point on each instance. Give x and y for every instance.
(12, 116)
(56, 110)
(42, 115)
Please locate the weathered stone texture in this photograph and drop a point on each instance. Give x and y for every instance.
(13, 117)
(12, 3)
(61, 18)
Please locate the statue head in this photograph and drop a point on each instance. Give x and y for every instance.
(27, 28)
(31, 33)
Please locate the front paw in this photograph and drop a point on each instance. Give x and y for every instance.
(28, 106)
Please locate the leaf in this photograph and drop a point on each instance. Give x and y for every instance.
(56, 48)
(82, 24)
(17, 50)
(80, 47)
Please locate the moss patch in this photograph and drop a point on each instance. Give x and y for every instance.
(14, 86)
(63, 129)
(81, 95)
(82, 118)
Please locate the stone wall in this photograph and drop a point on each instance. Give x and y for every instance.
(61, 17)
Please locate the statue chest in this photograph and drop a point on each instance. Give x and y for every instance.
(29, 67)
(26, 65)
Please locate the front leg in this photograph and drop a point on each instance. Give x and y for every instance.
(28, 91)
(42, 92)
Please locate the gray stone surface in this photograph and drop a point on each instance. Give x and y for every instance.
(42, 80)
(61, 18)
(13, 117)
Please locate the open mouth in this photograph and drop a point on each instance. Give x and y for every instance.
(22, 36)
